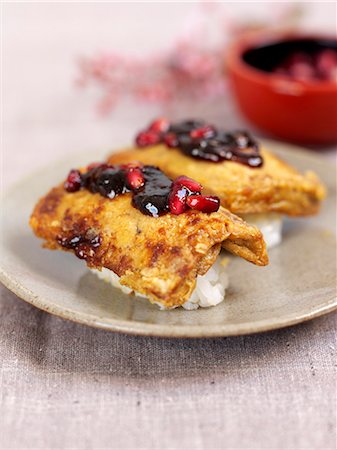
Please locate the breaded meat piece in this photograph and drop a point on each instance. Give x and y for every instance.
(274, 187)
(158, 257)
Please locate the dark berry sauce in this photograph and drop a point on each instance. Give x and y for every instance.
(84, 245)
(153, 193)
(153, 198)
(106, 180)
(202, 141)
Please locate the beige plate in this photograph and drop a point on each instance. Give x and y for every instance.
(298, 285)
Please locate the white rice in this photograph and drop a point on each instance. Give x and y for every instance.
(270, 225)
(209, 291)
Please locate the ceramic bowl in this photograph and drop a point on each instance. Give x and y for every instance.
(294, 110)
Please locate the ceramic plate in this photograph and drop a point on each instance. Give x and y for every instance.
(298, 284)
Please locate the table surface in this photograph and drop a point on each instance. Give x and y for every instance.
(63, 385)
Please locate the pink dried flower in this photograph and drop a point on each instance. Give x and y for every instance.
(193, 68)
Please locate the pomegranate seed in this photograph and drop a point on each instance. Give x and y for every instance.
(203, 132)
(160, 125)
(146, 138)
(327, 64)
(74, 181)
(177, 200)
(188, 183)
(206, 204)
(302, 71)
(171, 140)
(134, 178)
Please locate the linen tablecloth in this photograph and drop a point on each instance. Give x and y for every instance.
(66, 386)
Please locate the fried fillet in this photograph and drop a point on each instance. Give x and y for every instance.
(158, 257)
(275, 187)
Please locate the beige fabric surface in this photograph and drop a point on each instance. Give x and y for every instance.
(65, 386)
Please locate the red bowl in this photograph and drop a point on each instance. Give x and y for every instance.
(299, 111)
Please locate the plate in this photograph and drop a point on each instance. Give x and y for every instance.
(298, 284)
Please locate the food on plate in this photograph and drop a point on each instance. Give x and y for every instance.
(250, 181)
(146, 233)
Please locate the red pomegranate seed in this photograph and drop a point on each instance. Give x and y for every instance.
(160, 125)
(206, 204)
(146, 138)
(203, 132)
(177, 200)
(327, 64)
(190, 184)
(302, 71)
(170, 139)
(74, 181)
(134, 178)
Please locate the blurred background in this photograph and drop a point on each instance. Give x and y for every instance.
(87, 76)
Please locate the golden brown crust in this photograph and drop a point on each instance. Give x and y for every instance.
(158, 257)
(275, 187)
